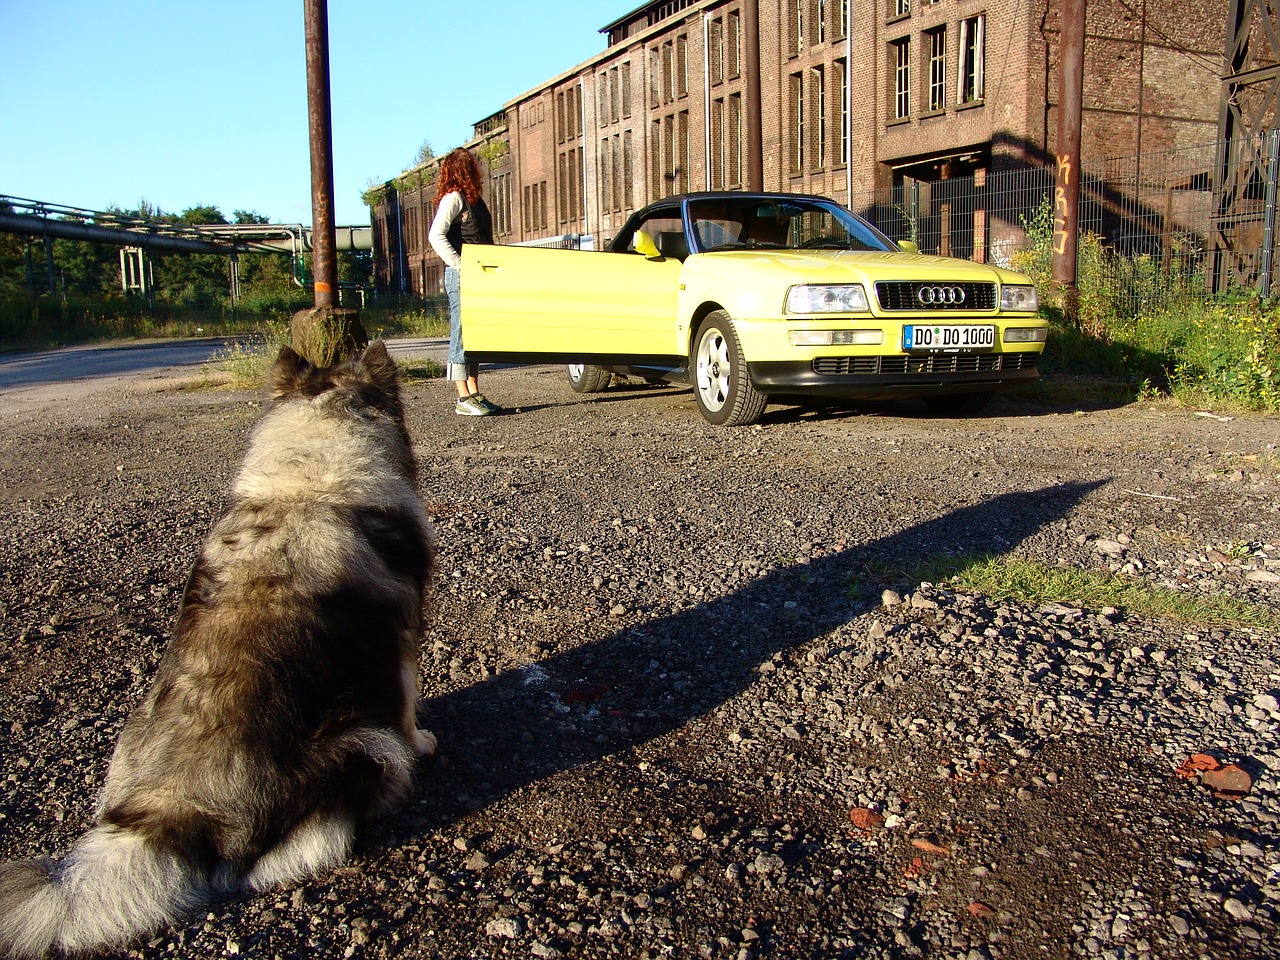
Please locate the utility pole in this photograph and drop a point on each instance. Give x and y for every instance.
(327, 332)
(1066, 194)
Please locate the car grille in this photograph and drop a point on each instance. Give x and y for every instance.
(906, 295)
(927, 364)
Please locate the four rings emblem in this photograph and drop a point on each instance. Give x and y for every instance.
(937, 296)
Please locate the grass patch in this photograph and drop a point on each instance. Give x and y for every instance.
(247, 361)
(410, 319)
(1034, 584)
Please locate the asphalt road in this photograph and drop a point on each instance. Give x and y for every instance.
(116, 360)
(32, 379)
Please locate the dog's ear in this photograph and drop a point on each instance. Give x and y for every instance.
(287, 373)
(381, 369)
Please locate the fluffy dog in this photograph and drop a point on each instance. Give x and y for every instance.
(282, 713)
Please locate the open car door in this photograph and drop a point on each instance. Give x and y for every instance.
(540, 303)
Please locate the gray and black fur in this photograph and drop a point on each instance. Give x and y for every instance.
(282, 713)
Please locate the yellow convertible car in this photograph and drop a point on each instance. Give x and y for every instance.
(751, 296)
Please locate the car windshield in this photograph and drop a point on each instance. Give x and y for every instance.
(792, 223)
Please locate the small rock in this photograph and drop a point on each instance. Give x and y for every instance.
(508, 928)
(1109, 548)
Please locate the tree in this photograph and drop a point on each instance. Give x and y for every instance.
(192, 279)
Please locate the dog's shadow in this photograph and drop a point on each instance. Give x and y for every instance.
(638, 683)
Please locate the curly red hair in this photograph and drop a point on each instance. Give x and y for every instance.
(459, 171)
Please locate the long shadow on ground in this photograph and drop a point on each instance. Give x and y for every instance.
(645, 681)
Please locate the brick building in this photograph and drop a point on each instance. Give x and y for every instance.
(852, 97)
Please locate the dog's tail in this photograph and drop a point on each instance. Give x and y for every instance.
(112, 886)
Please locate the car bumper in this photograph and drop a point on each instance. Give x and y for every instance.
(895, 375)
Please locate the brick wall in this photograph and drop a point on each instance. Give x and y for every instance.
(932, 90)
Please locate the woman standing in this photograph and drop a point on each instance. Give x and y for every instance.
(461, 217)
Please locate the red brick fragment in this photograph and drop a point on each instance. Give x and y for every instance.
(865, 819)
(980, 909)
(1195, 765)
(928, 846)
(1228, 783)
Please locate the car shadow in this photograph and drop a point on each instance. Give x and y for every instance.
(643, 681)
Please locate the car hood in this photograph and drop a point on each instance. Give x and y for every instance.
(861, 266)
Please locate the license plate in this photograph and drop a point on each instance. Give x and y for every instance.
(948, 336)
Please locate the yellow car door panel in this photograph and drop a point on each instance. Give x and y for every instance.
(536, 301)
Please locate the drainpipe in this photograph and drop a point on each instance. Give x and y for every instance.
(751, 80)
(706, 100)
(847, 132)
(582, 139)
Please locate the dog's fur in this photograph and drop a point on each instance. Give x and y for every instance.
(283, 710)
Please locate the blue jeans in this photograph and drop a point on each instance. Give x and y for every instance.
(459, 367)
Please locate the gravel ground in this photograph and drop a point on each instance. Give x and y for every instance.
(686, 706)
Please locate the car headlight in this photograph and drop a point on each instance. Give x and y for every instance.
(1026, 334)
(827, 298)
(827, 338)
(1020, 298)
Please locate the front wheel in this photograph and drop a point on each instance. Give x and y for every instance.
(959, 404)
(721, 382)
(588, 378)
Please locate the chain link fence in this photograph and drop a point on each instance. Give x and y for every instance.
(1178, 223)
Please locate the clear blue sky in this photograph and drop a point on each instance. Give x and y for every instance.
(190, 102)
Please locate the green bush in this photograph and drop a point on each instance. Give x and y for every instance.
(1151, 323)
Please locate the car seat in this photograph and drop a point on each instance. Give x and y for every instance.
(672, 244)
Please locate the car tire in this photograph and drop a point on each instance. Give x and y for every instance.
(721, 381)
(588, 378)
(959, 404)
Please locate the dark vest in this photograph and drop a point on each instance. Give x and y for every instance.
(473, 225)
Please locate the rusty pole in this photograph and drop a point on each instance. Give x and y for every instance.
(324, 256)
(1066, 194)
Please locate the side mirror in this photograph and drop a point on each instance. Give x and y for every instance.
(643, 244)
(908, 246)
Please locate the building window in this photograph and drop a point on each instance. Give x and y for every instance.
(818, 117)
(626, 89)
(972, 41)
(901, 8)
(606, 179)
(625, 199)
(668, 72)
(733, 31)
(715, 162)
(602, 99)
(655, 81)
(668, 155)
(796, 96)
(796, 26)
(682, 152)
(901, 78)
(937, 40)
(820, 21)
(715, 50)
(842, 71)
(682, 66)
(656, 190)
(842, 13)
(733, 144)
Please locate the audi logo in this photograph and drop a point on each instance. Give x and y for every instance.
(939, 296)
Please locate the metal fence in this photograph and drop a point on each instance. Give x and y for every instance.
(1199, 219)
